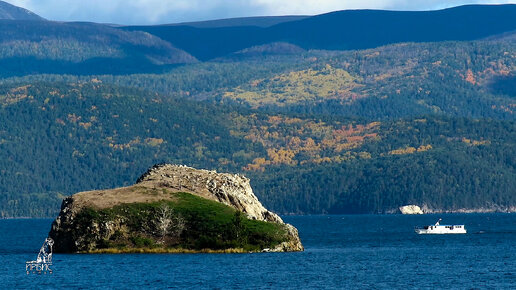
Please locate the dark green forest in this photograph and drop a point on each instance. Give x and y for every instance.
(68, 138)
(456, 173)
(58, 139)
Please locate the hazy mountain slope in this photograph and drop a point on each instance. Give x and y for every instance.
(208, 43)
(358, 29)
(11, 12)
(28, 47)
(506, 36)
(259, 21)
(349, 29)
(270, 49)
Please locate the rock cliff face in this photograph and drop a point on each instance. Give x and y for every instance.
(95, 220)
(230, 189)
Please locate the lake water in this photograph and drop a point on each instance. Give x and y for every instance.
(351, 251)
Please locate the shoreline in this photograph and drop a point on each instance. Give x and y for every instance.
(166, 251)
(464, 211)
(426, 210)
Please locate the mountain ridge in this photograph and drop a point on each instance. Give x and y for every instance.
(12, 12)
(345, 30)
(259, 21)
(28, 47)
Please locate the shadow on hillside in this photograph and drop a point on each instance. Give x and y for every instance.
(12, 67)
(505, 85)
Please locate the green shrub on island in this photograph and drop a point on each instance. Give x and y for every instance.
(188, 223)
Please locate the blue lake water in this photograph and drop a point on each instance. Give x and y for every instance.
(351, 251)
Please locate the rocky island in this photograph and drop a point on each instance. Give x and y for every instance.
(172, 208)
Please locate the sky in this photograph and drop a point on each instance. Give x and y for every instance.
(174, 11)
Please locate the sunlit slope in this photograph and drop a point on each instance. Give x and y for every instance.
(471, 79)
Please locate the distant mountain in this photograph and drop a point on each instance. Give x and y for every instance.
(506, 36)
(29, 47)
(11, 12)
(344, 30)
(358, 29)
(208, 43)
(277, 48)
(259, 21)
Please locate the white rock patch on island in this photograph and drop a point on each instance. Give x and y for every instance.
(410, 209)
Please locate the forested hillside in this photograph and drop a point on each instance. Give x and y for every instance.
(66, 138)
(431, 122)
(472, 79)
(34, 47)
(442, 163)
(72, 137)
(467, 79)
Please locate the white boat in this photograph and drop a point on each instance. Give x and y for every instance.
(441, 229)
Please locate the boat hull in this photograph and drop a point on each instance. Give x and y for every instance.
(425, 232)
(441, 230)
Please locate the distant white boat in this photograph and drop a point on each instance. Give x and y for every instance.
(441, 229)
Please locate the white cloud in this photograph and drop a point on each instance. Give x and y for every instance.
(171, 11)
(138, 11)
(316, 7)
